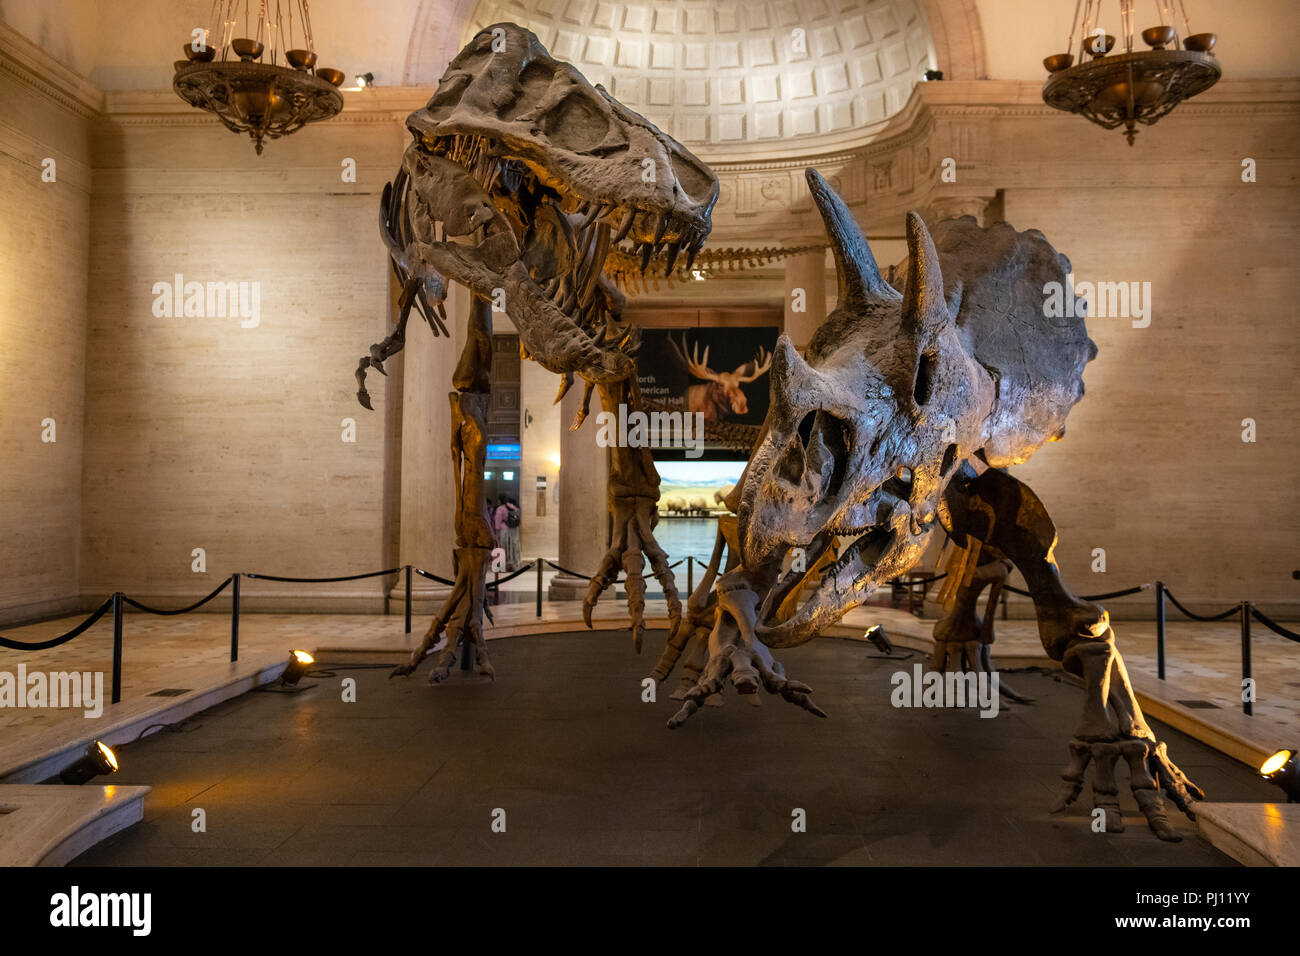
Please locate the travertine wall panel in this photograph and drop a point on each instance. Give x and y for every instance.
(44, 241)
(213, 431)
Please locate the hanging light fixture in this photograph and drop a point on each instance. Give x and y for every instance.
(1135, 86)
(258, 74)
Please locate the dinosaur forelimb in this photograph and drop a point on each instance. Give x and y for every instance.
(736, 655)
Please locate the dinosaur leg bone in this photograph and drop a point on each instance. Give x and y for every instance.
(1005, 513)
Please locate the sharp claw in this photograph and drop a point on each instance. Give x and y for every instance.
(683, 715)
(364, 398)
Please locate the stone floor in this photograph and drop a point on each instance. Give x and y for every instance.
(588, 773)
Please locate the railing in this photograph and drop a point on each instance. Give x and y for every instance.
(117, 600)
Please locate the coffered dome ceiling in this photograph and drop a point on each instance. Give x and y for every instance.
(730, 75)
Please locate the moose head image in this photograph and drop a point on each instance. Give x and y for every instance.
(722, 394)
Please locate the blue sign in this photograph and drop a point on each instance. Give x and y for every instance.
(508, 452)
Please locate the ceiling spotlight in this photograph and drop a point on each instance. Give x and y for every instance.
(98, 758)
(299, 661)
(365, 80)
(1283, 769)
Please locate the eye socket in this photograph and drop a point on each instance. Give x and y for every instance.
(534, 81)
(695, 182)
(576, 124)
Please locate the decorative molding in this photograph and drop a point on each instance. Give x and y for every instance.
(38, 70)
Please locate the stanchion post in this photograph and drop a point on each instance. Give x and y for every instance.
(1160, 629)
(408, 599)
(117, 647)
(539, 587)
(1245, 657)
(234, 618)
(690, 574)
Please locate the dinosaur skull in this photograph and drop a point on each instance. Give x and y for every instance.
(535, 176)
(863, 435)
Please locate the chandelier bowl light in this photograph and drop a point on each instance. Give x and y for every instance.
(1133, 87)
(242, 81)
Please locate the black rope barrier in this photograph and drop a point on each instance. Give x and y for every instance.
(1273, 626)
(180, 610)
(902, 583)
(62, 638)
(1200, 617)
(1090, 597)
(433, 577)
(346, 577)
(513, 574)
(587, 577)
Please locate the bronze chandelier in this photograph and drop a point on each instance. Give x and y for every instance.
(1135, 86)
(252, 91)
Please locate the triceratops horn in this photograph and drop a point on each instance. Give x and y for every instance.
(859, 277)
(924, 308)
(795, 385)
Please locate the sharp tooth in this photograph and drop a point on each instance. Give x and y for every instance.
(590, 212)
(598, 252)
(690, 256)
(661, 227)
(673, 249)
(626, 226)
(647, 251)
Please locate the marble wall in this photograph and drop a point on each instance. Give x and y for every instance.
(45, 187)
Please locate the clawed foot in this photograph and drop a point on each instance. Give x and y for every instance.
(634, 542)
(1112, 728)
(737, 656)
(1150, 772)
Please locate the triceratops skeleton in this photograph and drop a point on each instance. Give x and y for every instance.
(900, 418)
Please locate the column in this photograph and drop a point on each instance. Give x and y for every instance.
(806, 272)
(428, 499)
(583, 505)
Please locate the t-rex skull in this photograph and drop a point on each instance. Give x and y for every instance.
(539, 175)
(897, 391)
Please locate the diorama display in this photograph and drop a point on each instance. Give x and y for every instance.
(899, 421)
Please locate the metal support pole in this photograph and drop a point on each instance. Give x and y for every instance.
(539, 587)
(690, 574)
(234, 619)
(117, 647)
(1246, 706)
(1160, 629)
(408, 599)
